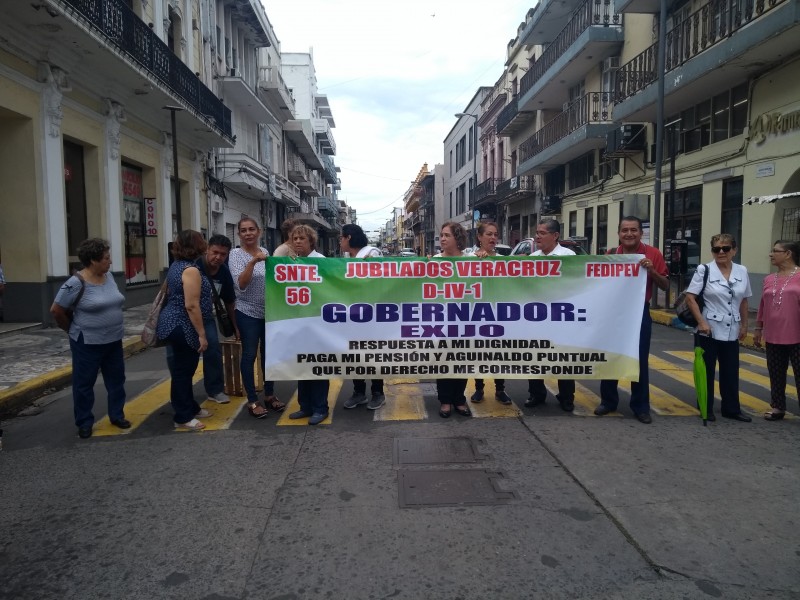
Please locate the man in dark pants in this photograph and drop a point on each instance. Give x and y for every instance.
(630, 238)
(547, 233)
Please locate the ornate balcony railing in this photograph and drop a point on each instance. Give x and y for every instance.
(592, 12)
(507, 114)
(706, 27)
(485, 189)
(594, 107)
(121, 28)
(520, 184)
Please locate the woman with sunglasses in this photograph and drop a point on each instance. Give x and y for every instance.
(778, 323)
(721, 323)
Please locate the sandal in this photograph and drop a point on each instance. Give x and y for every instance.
(275, 404)
(257, 411)
(193, 425)
(772, 415)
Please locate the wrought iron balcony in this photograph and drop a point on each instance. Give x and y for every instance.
(329, 169)
(327, 206)
(485, 191)
(592, 12)
(119, 27)
(511, 188)
(594, 107)
(708, 26)
(511, 119)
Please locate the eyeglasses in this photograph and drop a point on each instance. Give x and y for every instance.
(718, 249)
(773, 251)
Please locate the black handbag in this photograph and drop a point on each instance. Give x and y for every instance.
(682, 310)
(221, 313)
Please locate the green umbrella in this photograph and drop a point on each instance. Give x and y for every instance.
(700, 383)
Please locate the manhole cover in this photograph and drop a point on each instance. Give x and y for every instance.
(435, 451)
(452, 487)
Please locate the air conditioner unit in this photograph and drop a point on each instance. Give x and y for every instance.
(611, 63)
(216, 205)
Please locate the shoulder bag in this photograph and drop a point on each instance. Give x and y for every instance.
(149, 337)
(682, 310)
(70, 312)
(223, 318)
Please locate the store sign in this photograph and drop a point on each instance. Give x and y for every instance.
(150, 229)
(774, 123)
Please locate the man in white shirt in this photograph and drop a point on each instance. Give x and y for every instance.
(547, 233)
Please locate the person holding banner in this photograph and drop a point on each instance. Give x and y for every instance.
(488, 235)
(312, 394)
(630, 238)
(353, 241)
(452, 240)
(547, 233)
(247, 267)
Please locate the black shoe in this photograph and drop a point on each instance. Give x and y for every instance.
(84, 432)
(567, 405)
(532, 402)
(737, 417)
(463, 410)
(644, 418)
(122, 423)
(477, 396)
(445, 414)
(502, 397)
(601, 410)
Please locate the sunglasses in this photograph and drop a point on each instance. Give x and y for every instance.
(718, 249)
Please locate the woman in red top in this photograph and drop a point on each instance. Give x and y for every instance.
(778, 323)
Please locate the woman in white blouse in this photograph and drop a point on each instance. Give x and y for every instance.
(722, 322)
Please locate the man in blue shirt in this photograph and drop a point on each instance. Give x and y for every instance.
(213, 265)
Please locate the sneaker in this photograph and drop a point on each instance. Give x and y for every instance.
(221, 398)
(357, 399)
(203, 414)
(502, 397)
(376, 401)
(477, 396)
(317, 418)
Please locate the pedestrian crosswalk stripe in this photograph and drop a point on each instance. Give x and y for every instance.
(139, 409)
(758, 361)
(405, 400)
(489, 407)
(293, 405)
(685, 376)
(744, 375)
(668, 405)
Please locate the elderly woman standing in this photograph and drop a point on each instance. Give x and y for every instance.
(778, 323)
(312, 394)
(247, 267)
(181, 325)
(453, 240)
(722, 322)
(95, 334)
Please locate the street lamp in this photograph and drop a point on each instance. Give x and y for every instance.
(172, 110)
(474, 163)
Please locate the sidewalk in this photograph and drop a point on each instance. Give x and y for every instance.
(35, 360)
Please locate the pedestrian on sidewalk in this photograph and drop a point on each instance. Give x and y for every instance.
(630, 240)
(354, 242)
(182, 324)
(778, 323)
(247, 267)
(89, 308)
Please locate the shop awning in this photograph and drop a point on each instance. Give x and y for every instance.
(768, 199)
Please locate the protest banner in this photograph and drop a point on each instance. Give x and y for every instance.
(573, 317)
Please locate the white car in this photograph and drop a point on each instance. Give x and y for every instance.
(407, 252)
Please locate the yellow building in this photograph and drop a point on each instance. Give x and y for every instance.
(87, 145)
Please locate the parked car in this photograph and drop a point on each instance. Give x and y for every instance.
(407, 252)
(501, 249)
(528, 246)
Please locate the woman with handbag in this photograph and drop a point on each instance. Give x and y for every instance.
(247, 267)
(722, 323)
(778, 323)
(89, 308)
(182, 325)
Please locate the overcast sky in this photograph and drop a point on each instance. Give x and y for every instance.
(395, 74)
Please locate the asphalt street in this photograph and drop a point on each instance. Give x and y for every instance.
(399, 503)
